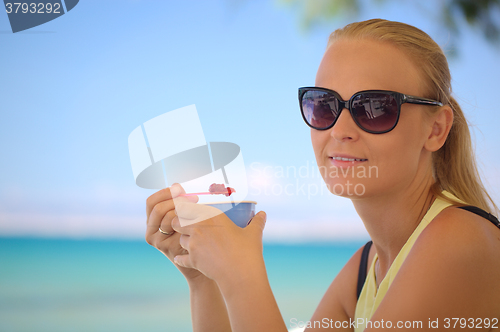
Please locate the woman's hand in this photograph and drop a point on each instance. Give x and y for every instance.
(232, 257)
(160, 211)
(214, 244)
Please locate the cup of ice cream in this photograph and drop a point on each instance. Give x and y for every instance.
(239, 212)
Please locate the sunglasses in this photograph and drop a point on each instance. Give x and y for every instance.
(374, 111)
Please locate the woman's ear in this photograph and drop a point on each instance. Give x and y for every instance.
(440, 125)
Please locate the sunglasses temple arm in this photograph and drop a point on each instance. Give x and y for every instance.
(421, 101)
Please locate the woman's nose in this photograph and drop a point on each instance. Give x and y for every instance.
(345, 128)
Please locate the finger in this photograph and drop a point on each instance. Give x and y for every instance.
(193, 199)
(166, 222)
(159, 212)
(184, 242)
(162, 235)
(183, 228)
(176, 226)
(155, 239)
(258, 222)
(183, 260)
(191, 213)
(162, 195)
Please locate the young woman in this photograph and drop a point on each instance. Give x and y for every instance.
(382, 102)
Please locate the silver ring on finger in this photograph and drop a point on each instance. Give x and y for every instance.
(166, 233)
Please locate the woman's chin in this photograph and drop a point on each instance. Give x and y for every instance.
(347, 188)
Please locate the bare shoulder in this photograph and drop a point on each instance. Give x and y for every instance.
(451, 271)
(339, 301)
(464, 235)
(467, 244)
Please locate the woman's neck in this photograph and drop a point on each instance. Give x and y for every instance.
(391, 219)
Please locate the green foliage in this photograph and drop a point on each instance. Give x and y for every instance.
(322, 11)
(482, 15)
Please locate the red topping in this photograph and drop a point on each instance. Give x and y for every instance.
(220, 189)
(216, 188)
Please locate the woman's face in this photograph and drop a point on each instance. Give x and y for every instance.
(396, 160)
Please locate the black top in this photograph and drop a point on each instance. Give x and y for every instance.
(363, 264)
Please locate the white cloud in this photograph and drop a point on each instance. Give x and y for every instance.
(295, 231)
(114, 226)
(71, 225)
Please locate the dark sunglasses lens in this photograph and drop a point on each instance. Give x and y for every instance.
(319, 108)
(377, 112)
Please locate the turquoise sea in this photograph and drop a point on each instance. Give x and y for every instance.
(62, 285)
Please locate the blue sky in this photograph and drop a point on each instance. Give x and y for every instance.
(73, 89)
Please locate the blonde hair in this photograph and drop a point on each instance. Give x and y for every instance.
(454, 164)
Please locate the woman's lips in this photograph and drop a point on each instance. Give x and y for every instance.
(346, 162)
